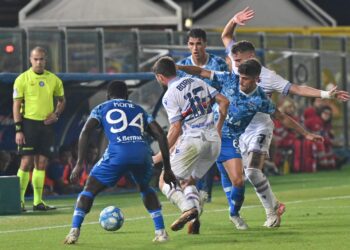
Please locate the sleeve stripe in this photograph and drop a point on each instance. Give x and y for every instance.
(175, 119)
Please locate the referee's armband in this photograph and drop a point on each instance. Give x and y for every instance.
(19, 126)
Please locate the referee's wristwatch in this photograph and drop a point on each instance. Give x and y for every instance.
(57, 115)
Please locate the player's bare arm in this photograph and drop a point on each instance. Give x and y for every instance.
(53, 117)
(90, 125)
(173, 134)
(239, 18)
(195, 70)
(290, 123)
(223, 103)
(157, 132)
(306, 91)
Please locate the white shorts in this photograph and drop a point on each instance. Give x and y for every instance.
(255, 141)
(194, 155)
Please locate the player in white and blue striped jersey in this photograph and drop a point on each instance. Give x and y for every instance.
(193, 134)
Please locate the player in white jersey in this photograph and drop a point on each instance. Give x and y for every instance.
(193, 135)
(255, 141)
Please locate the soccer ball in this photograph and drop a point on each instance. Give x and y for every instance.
(111, 218)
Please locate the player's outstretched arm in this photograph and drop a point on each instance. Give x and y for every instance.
(306, 91)
(90, 125)
(195, 70)
(239, 18)
(290, 123)
(223, 103)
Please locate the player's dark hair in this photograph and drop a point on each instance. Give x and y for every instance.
(117, 89)
(251, 67)
(165, 66)
(242, 46)
(197, 33)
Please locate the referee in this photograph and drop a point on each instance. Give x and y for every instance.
(34, 114)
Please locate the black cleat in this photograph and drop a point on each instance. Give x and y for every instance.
(193, 226)
(43, 207)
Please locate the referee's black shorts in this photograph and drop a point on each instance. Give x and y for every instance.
(39, 138)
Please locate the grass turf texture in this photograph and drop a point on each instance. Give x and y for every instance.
(317, 217)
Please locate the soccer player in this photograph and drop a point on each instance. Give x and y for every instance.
(197, 43)
(246, 99)
(124, 123)
(188, 103)
(255, 141)
(34, 115)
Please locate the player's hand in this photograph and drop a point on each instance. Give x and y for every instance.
(74, 177)
(314, 137)
(341, 95)
(243, 16)
(20, 139)
(50, 119)
(157, 159)
(169, 178)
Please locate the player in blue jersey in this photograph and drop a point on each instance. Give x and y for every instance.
(124, 123)
(246, 99)
(197, 43)
(255, 141)
(193, 135)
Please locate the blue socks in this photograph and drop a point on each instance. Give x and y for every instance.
(234, 195)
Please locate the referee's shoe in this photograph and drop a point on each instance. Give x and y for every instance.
(43, 207)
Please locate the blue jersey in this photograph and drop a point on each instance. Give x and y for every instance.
(213, 63)
(242, 106)
(123, 122)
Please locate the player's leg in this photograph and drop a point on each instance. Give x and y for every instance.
(261, 184)
(234, 169)
(208, 150)
(83, 206)
(142, 175)
(38, 179)
(27, 152)
(181, 165)
(44, 142)
(255, 147)
(27, 161)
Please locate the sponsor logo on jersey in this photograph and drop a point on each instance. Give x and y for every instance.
(41, 84)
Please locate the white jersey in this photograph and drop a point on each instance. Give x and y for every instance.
(189, 100)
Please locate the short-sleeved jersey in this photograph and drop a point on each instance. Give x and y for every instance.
(123, 122)
(270, 82)
(38, 92)
(243, 107)
(213, 63)
(189, 100)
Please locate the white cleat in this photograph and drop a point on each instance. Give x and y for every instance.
(274, 219)
(161, 237)
(239, 222)
(73, 236)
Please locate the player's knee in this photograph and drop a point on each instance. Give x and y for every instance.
(238, 181)
(85, 200)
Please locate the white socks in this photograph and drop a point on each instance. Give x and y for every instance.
(177, 197)
(262, 188)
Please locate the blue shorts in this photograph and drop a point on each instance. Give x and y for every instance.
(113, 166)
(229, 150)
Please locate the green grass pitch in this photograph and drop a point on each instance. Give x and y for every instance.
(317, 217)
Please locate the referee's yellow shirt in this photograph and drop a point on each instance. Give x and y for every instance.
(38, 92)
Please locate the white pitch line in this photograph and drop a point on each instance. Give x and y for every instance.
(168, 215)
